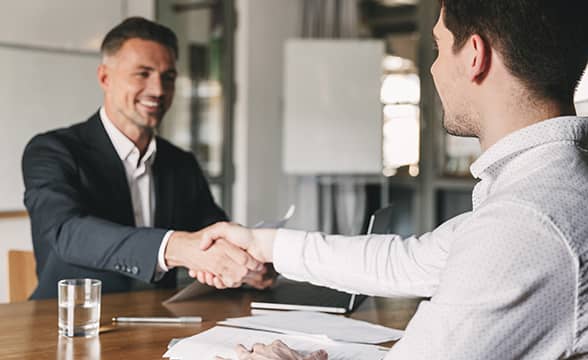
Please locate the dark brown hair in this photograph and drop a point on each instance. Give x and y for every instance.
(141, 28)
(544, 43)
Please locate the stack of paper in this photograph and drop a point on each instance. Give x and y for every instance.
(302, 331)
(221, 341)
(334, 327)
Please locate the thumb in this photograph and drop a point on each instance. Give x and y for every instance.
(211, 234)
(318, 355)
(231, 232)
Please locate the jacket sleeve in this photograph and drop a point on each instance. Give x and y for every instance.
(61, 218)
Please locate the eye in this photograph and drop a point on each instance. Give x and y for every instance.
(142, 74)
(168, 77)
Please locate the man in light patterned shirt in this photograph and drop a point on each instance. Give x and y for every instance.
(508, 280)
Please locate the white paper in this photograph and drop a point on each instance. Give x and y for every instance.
(221, 341)
(334, 327)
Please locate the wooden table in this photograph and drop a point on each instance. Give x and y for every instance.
(28, 330)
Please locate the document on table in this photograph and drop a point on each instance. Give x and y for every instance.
(334, 327)
(221, 341)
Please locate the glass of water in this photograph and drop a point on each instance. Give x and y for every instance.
(79, 307)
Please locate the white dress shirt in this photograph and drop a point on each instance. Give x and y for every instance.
(508, 280)
(140, 180)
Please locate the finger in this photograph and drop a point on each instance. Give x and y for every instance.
(317, 355)
(200, 276)
(256, 280)
(241, 257)
(261, 285)
(231, 272)
(218, 283)
(242, 352)
(257, 347)
(209, 279)
(278, 342)
(253, 276)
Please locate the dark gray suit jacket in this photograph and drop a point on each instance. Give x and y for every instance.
(81, 213)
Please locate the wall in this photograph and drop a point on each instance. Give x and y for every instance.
(261, 189)
(50, 50)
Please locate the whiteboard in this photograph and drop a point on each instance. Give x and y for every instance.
(39, 91)
(62, 24)
(332, 109)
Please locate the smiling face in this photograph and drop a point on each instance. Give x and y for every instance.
(138, 83)
(451, 81)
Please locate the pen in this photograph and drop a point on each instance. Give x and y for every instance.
(175, 320)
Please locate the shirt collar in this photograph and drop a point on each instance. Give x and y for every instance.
(124, 147)
(564, 128)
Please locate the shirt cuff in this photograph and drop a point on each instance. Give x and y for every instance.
(289, 253)
(161, 265)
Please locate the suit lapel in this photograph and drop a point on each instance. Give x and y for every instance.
(164, 178)
(101, 151)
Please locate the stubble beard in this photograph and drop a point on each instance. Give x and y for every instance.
(462, 125)
(143, 122)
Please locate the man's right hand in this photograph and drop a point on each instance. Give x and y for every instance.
(258, 242)
(227, 261)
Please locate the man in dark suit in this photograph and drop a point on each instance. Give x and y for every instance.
(110, 200)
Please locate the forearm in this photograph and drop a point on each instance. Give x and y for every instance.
(381, 265)
(99, 244)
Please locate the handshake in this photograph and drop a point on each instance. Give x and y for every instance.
(224, 255)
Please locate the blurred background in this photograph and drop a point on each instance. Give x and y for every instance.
(325, 104)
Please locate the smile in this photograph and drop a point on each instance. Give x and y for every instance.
(149, 103)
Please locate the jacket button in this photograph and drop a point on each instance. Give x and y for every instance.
(135, 270)
(128, 269)
(117, 267)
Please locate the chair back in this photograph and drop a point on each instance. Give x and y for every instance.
(22, 278)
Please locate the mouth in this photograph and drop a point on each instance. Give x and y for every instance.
(152, 106)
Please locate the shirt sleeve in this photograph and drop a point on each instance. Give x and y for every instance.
(162, 268)
(507, 292)
(383, 265)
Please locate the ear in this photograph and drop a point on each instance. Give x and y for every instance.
(480, 58)
(103, 76)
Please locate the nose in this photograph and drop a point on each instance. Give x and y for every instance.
(155, 85)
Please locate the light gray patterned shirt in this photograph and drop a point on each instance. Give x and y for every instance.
(508, 280)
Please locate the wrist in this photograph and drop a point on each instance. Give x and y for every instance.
(264, 238)
(175, 249)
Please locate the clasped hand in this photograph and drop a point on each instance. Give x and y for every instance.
(258, 243)
(225, 260)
